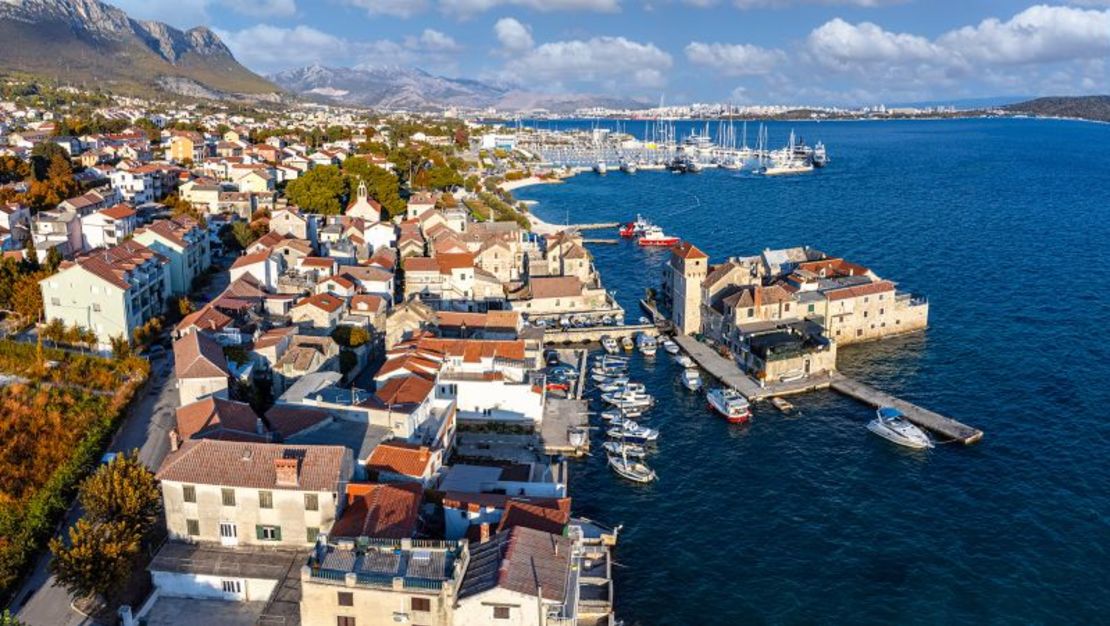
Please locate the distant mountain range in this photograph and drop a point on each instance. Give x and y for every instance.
(1084, 107)
(392, 87)
(92, 43)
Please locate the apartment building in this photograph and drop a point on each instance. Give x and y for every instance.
(111, 291)
(254, 494)
(184, 243)
(108, 227)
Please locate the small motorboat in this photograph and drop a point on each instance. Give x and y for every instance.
(630, 431)
(626, 343)
(609, 359)
(628, 398)
(729, 404)
(608, 376)
(654, 236)
(633, 470)
(792, 376)
(628, 449)
(647, 344)
(609, 344)
(691, 379)
(684, 360)
(610, 386)
(608, 371)
(892, 425)
(782, 405)
(617, 416)
(669, 345)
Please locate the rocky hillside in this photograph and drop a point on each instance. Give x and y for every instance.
(392, 87)
(1082, 107)
(87, 42)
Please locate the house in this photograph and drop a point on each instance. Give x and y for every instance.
(201, 368)
(185, 243)
(382, 582)
(218, 418)
(305, 354)
(113, 291)
(255, 494)
(322, 310)
(291, 221)
(381, 511)
(263, 267)
(418, 204)
(445, 277)
(58, 228)
(559, 295)
(399, 461)
(519, 576)
(256, 181)
(187, 146)
(364, 207)
(108, 227)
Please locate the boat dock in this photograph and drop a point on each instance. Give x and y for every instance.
(595, 333)
(935, 422)
(729, 374)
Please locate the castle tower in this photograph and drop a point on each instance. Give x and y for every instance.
(688, 267)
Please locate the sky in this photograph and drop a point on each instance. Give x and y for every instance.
(826, 52)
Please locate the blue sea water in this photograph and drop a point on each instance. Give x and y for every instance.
(1005, 226)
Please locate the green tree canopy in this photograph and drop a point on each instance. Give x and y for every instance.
(319, 190)
(383, 185)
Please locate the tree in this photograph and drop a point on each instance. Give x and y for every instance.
(185, 306)
(7, 619)
(54, 330)
(97, 559)
(31, 255)
(244, 235)
(27, 296)
(319, 190)
(53, 260)
(350, 336)
(122, 491)
(43, 155)
(121, 348)
(383, 185)
(443, 177)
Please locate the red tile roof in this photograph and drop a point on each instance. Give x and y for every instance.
(197, 356)
(252, 465)
(400, 458)
(384, 511)
(687, 250)
(860, 290)
(209, 415)
(404, 391)
(544, 518)
(322, 301)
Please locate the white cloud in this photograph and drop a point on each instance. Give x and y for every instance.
(781, 4)
(433, 41)
(615, 62)
(1039, 34)
(262, 8)
(837, 43)
(466, 8)
(264, 47)
(512, 34)
(735, 59)
(395, 8)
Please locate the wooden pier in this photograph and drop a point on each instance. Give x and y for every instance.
(935, 422)
(730, 374)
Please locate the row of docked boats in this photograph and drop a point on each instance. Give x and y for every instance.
(626, 448)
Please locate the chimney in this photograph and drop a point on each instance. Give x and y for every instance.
(285, 472)
(175, 442)
(483, 532)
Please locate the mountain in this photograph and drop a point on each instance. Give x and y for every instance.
(1084, 107)
(90, 42)
(413, 89)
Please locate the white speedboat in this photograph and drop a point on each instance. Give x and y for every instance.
(617, 416)
(691, 379)
(611, 386)
(647, 344)
(632, 432)
(609, 377)
(892, 425)
(610, 344)
(729, 404)
(792, 376)
(684, 360)
(626, 343)
(628, 399)
(633, 470)
(669, 345)
(601, 167)
(629, 449)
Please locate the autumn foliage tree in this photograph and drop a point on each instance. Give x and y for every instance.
(97, 558)
(125, 491)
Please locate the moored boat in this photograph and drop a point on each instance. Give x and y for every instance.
(669, 345)
(647, 344)
(629, 469)
(609, 344)
(633, 433)
(626, 343)
(684, 360)
(654, 236)
(630, 449)
(691, 379)
(729, 404)
(892, 425)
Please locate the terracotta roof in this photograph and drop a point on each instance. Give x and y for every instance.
(520, 559)
(317, 261)
(412, 362)
(384, 511)
(210, 415)
(859, 290)
(404, 392)
(206, 318)
(454, 261)
(687, 250)
(173, 230)
(536, 516)
(118, 212)
(322, 301)
(400, 458)
(367, 303)
(273, 336)
(251, 259)
(471, 350)
(197, 356)
(420, 264)
(290, 419)
(340, 280)
(113, 264)
(252, 465)
(555, 287)
(509, 320)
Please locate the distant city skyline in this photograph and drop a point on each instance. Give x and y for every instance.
(829, 52)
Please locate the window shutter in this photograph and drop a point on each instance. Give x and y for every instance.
(258, 532)
(277, 533)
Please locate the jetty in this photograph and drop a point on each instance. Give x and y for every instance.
(595, 333)
(726, 371)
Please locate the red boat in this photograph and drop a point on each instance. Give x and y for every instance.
(654, 236)
(628, 230)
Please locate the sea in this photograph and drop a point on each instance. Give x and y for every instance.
(1004, 224)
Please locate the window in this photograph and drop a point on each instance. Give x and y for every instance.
(786, 307)
(56, 301)
(345, 598)
(311, 502)
(228, 496)
(421, 604)
(344, 620)
(881, 311)
(192, 527)
(312, 533)
(811, 308)
(96, 307)
(265, 499)
(232, 586)
(859, 332)
(500, 612)
(189, 493)
(268, 533)
(865, 313)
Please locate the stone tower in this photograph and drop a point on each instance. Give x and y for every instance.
(688, 267)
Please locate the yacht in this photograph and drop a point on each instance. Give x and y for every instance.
(610, 386)
(647, 344)
(787, 166)
(691, 379)
(633, 470)
(600, 167)
(629, 449)
(622, 399)
(820, 158)
(892, 425)
(730, 404)
(654, 236)
(628, 167)
(609, 344)
(633, 433)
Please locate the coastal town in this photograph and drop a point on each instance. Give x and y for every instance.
(369, 366)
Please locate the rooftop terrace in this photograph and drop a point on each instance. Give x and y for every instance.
(405, 564)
